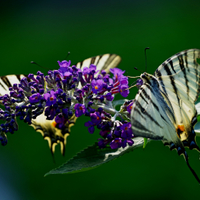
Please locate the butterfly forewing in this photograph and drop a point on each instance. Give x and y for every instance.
(8, 81)
(148, 118)
(102, 62)
(45, 127)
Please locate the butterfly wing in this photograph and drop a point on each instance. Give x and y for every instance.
(179, 79)
(152, 115)
(8, 81)
(102, 62)
(52, 134)
(167, 111)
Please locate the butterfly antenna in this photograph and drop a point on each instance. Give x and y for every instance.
(136, 76)
(133, 83)
(67, 55)
(133, 76)
(132, 86)
(32, 62)
(145, 52)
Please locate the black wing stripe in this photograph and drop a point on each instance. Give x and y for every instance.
(159, 76)
(138, 125)
(149, 87)
(19, 77)
(139, 112)
(109, 58)
(142, 110)
(141, 95)
(99, 59)
(171, 64)
(148, 97)
(181, 63)
(186, 61)
(3, 87)
(92, 60)
(109, 61)
(6, 81)
(171, 80)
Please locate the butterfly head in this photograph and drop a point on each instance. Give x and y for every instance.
(146, 77)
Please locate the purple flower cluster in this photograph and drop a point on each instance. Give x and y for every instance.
(127, 106)
(67, 91)
(114, 132)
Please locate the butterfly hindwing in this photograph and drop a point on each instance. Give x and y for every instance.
(49, 132)
(52, 134)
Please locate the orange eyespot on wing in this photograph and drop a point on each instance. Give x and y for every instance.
(53, 124)
(181, 127)
(179, 130)
(52, 134)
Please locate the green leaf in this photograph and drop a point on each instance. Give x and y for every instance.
(145, 142)
(197, 125)
(119, 102)
(197, 106)
(197, 128)
(92, 157)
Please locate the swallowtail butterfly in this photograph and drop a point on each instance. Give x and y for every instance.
(164, 105)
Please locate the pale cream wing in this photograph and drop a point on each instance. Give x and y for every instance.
(179, 78)
(151, 115)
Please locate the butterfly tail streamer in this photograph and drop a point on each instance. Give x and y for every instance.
(193, 172)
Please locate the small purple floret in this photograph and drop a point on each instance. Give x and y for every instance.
(139, 83)
(97, 85)
(50, 98)
(79, 109)
(116, 143)
(35, 98)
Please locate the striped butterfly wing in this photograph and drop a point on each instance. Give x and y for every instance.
(103, 62)
(164, 106)
(151, 115)
(8, 81)
(45, 127)
(179, 79)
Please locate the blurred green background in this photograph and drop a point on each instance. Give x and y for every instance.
(44, 31)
